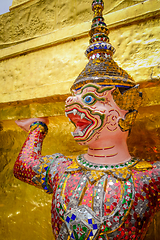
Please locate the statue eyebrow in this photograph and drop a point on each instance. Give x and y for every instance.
(107, 88)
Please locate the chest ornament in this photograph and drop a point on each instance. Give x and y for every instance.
(121, 171)
(112, 198)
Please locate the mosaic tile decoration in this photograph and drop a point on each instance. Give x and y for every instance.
(91, 202)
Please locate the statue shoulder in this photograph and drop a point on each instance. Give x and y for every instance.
(143, 165)
(147, 168)
(49, 170)
(58, 161)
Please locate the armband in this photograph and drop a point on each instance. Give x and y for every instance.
(43, 127)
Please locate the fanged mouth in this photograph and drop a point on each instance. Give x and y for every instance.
(81, 122)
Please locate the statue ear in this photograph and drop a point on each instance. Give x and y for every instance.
(129, 99)
(126, 123)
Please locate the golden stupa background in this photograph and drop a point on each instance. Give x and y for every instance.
(42, 45)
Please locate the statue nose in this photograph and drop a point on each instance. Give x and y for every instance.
(71, 99)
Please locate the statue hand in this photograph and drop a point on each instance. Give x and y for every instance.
(25, 124)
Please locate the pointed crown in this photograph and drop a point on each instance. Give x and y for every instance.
(101, 68)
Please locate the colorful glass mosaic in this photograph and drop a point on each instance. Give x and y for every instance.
(92, 201)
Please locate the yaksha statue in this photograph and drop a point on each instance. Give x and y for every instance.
(104, 194)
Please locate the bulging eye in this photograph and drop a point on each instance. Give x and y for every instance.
(89, 99)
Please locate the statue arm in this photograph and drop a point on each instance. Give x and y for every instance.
(30, 156)
(31, 167)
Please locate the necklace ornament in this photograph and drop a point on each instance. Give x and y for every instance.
(103, 167)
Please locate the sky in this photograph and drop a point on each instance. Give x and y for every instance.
(4, 6)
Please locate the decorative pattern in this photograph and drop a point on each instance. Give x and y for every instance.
(99, 55)
(103, 71)
(85, 164)
(128, 100)
(41, 125)
(99, 46)
(126, 124)
(92, 201)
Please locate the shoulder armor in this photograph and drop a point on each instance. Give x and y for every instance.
(74, 167)
(46, 170)
(142, 166)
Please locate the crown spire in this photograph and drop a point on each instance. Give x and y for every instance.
(99, 40)
(97, 8)
(101, 68)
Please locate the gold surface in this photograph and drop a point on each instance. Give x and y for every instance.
(42, 52)
(69, 32)
(35, 74)
(50, 15)
(20, 3)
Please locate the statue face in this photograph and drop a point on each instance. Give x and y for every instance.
(93, 112)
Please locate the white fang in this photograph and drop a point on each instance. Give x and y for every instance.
(82, 115)
(74, 111)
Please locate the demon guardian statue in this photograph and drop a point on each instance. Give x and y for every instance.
(105, 193)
